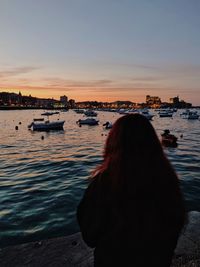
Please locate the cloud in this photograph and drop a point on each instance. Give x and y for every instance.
(147, 79)
(60, 82)
(140, 66)
(95, 85)
(17, 71)
(184, 69)
(167, 69)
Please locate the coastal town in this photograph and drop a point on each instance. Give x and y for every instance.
(18, 101)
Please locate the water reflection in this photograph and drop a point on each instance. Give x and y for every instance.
(41, 181)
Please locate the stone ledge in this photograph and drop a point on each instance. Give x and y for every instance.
(71, 251)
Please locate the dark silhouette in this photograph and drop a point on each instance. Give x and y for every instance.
(133, 210)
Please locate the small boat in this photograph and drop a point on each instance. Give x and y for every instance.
(146, 113)
(168, 139)
(107, 125)
(165, 113)
(184, 113)
(38, 119)
(88, 121)
(79, 111)
(50, 113)
(190, 115)
(47, 113)
(193, 115)
(123, 111)
(90, 113)
(47, 125)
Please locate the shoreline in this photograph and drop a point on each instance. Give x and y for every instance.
(72, 251)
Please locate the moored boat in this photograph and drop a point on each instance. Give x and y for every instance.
(88, 121)
(168, 139)
(47, 125)
(38, 119)
(190, 115)
(50, 113)
(147, 114)
(79, 111)
(165, 113)
(107, 125)
(90, 113)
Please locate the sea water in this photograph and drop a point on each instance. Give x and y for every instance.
(42, 179)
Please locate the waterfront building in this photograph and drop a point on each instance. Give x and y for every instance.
(72, 103)
(153, 101)
(174, 100)
(45, 103)
(64, 100)
(176, 103)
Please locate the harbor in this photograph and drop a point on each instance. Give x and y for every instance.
(106, 90)
(44, 174)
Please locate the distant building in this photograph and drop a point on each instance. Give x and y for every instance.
(10, 99)
(122, 104)
(45, 103)
(19, 98)
(64, 100)
(72, 103)
(153, 101)
(176, 103)
(174, 100)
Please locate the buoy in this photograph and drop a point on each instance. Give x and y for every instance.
(42, 137)
(16, 127)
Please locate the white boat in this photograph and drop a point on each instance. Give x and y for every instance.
(90, 113)
(123, 111)
(146, 113)
(79, 111)
(46, 126)
(193, 115)
(165, 113)
(190, 115)
(107, 125)
(88, 121)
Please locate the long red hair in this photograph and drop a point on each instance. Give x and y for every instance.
(135, 167)
(133, 149)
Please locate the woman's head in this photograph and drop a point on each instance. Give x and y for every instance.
(133, 153)
(132, 137)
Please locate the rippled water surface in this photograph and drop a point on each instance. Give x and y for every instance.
(42, 181)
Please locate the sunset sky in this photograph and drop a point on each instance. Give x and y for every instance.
(102, 50)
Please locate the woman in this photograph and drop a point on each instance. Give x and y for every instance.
(133, 211)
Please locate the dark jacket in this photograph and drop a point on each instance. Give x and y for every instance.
(129, 230)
